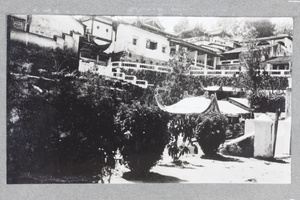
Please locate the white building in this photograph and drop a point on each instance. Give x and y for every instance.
(100, 28)
(143, 41)
(49, 31)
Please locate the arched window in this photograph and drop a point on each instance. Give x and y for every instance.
(261, 43)
(282, 43)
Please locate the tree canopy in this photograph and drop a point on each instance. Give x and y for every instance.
(247, 28)
(182, 25)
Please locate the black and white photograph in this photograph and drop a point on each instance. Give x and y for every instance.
(99, 99)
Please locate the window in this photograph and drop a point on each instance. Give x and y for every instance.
(134, 41)
(163, 49)
(151, 45)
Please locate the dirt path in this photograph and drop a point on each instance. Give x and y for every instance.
(227, 169)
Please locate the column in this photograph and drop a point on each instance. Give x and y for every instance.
(196, 56)
(215, 63)
(205, 61)
(288, 102)
(264, 138)
(97, 59)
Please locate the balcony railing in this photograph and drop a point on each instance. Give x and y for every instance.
(142, 66)
(201, 65)
(228, 62)
(282, 73)
(213, 72)
(114, 71)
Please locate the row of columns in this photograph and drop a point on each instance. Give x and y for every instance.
(205, 60)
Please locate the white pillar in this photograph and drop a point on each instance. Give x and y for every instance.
(196, 56)
(205, 61)
(264, 138)
(109, 61)
(215, 62)
(177, 48)
(97, 59)
(288, 102)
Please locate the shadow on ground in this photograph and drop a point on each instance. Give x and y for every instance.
(219, 157)
(151, 177)
(181, 164)
(276, 160)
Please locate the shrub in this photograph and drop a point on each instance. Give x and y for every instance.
(263, 102)
(210, 133)
(31, 124)
(181, 126)
(62, 129)
(145, 135)
(244, 148)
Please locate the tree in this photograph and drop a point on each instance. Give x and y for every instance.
(256, 81)
(247, 28)
(210, 133)
(229, 25)
(144, 130)
(182, 25)
(284, 28)
(178, 80)
(181, 126)
(251, 60)
(264, 28)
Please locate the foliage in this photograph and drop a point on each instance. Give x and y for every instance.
(87, 124)
(61, 130)
(243, 148)
(30, 128)
(57, 124)
(264, 102)
(248, 28)
(182, 25)
(210, 132)
(39, 61)
(60, 123)
(144, 130)
(177, 81)
(264, 28)
(284, 28)
(256, 82)
(252, 62)
(181, 129)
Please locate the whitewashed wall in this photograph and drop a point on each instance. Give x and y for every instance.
(125, 35)
(102, 28)
(50, 25)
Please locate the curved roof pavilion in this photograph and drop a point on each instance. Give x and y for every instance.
(202, 104)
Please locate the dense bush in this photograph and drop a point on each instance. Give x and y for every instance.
(193, 85)
(181, 129)
(267, 102)
(31, 124)
(244, 148)
(145, 135)
(37, 60)
(66, 129)
(210, 133)
(59, 125)
(86, 126)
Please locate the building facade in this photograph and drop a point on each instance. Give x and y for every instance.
(141, 42)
